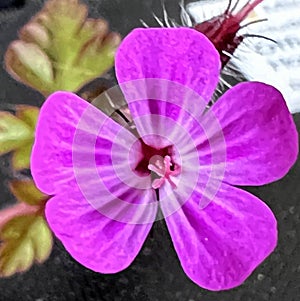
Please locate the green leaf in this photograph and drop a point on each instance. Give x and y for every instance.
(28, 114)
(17, 134)
(26, 191)
(29, 64)
(59, 49)
(25, 239)
(14, 133)
(21, 157)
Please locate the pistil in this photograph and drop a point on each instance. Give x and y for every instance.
(164, 168)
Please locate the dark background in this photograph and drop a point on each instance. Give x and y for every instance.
(156, 273)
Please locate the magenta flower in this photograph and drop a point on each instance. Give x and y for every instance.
(105, 180)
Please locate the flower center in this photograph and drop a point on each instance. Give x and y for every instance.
(157, 162)
(164, 169)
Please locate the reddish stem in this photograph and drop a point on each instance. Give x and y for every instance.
(247, 9)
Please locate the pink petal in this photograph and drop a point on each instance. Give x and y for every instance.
(77, 146)
(173, 65)
(102, 211)
(261, 140)
(51, 158)
(97, 242)
(219, 246)
(181, 55)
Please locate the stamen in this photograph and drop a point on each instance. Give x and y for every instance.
(163, 168)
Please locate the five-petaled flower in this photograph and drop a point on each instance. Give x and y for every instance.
(104, 179)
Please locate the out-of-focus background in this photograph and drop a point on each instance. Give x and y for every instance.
(274, 62)
(156, 274)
